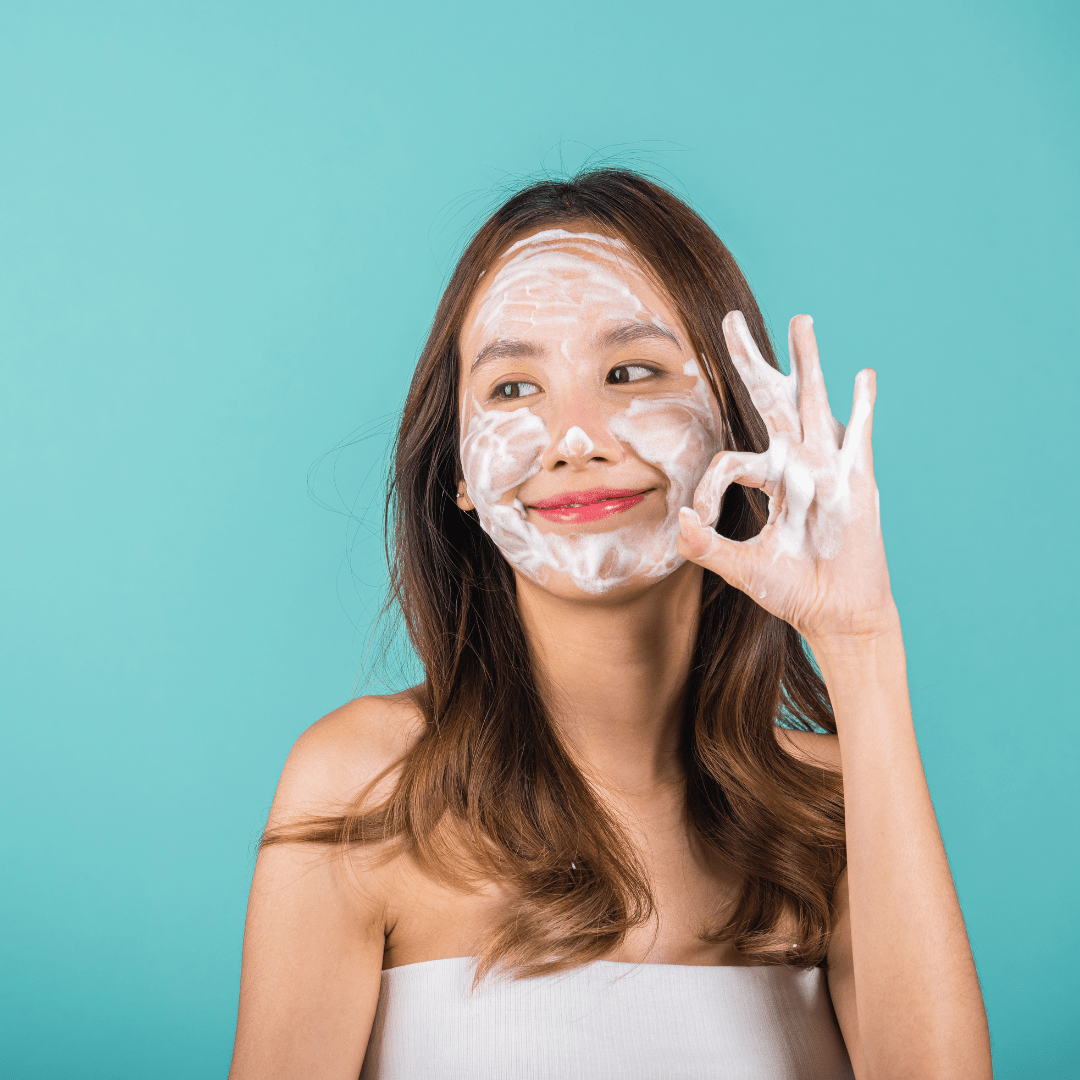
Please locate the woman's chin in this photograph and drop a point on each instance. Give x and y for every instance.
(599, 588)
(600, 561)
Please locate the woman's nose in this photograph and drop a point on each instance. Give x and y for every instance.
(580, 440)
(576, 445)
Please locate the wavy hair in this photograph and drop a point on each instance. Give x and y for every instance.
(489, 777)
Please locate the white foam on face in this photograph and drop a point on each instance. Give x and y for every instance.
(565, 285)
(548, 281)
(575, 443)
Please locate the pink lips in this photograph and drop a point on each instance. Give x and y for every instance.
(578, 507)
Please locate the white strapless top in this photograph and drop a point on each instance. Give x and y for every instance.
(606, 1021)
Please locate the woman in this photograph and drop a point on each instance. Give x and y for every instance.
(623, 828)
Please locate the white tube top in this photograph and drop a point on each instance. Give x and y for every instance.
(606, 1021)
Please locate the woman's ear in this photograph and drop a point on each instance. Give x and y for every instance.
(463, 500)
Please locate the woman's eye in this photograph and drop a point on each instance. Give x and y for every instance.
(626, 373)
(509, 390)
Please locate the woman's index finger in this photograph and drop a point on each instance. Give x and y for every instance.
(770, 390)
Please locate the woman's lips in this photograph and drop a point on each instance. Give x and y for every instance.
(578, 507)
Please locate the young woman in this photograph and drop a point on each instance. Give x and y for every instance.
(624, 828)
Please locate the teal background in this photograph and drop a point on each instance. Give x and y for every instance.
(223, 231)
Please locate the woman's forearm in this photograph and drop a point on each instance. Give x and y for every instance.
(919, 1007)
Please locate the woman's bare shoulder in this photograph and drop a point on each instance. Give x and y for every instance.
(339, 755)
(810, 746)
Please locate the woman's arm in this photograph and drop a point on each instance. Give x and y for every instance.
(901, 973)
(310, 977)
(900, 969)
(313, 941)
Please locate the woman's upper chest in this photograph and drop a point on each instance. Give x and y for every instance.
(428, 919)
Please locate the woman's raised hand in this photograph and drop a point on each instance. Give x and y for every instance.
(819, 563)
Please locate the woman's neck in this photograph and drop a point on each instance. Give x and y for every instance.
(614, 676)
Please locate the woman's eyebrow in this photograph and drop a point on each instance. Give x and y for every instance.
(502, 348)
(635, 331)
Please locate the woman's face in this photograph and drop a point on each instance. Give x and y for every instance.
(586, 420)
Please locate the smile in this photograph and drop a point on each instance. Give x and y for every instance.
(578, 507)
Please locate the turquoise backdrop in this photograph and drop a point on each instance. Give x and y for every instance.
(223, 230)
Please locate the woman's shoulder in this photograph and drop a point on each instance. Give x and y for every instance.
(815, 748)
(341, 754)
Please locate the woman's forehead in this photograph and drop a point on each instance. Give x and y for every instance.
(549, 238)
(558, 276)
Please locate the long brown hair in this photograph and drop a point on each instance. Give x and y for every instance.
(489, 765)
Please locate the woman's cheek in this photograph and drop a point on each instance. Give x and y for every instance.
(500, 451)
(679, 440)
